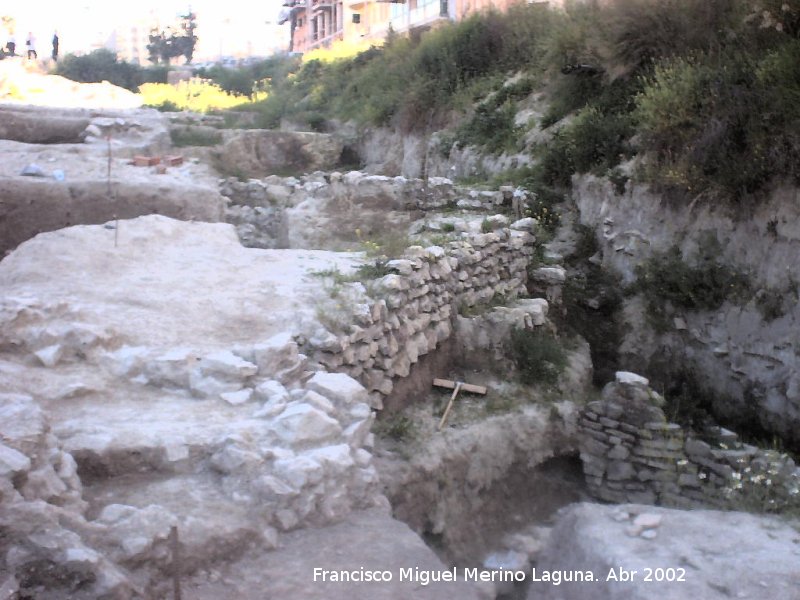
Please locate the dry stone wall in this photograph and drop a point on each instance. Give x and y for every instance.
(335, 211)
(411, 310)
(631, 453)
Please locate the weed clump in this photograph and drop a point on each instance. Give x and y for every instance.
(538, 356)
(397, 427)
(668, 283)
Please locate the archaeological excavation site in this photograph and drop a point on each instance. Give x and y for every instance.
(325, 358)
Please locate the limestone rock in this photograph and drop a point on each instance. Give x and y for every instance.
(12, 461)
(716, 555)
(341, 388)
(300, 423)
(549, 275)
(627, 378)
(261, 152)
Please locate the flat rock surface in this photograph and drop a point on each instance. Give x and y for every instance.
(166, 283)
(719, 555)
(371, 540)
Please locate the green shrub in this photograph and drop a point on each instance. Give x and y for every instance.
(668, 283)
(167, 106)
(538, 356)
(569, 93)
(194, 95)
(618, 179)
(488, 226)
(599, 141)
(397, 427)
(724, 125)
(188, 136)
(102, 65)
(413, 81)
(373, 270)
(490, 128)
(770, 304)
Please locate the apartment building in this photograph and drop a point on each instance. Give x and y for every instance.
(313, 23)
(130, 42)
(321, 23)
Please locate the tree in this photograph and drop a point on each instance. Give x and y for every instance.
(166, 44)
(102, 65)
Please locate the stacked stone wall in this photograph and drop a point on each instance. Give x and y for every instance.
(631, 453)
(412, 309)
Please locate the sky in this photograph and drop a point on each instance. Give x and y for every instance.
(229, 27)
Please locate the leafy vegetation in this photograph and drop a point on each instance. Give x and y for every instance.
(413, 83)
(165, 44)
(708, 91)
(492, 123)
(668, 283)
(195, 95)
(538, 356)
(397, 427)
(251, 80)
(194, 136)
(102, 65)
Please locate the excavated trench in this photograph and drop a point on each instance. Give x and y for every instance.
(483, 492)
(33, 127)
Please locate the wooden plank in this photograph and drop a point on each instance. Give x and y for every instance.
(449, 406)
(467, 387)
(176, 562)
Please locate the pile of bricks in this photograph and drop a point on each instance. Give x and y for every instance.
(154, 161)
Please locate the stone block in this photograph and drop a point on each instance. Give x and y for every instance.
(688, 480)
(628, 378)
(673, 444)
(618, 453)
(301, 423)
(12, 461)
(609, 423)
(663, 427)
(614, 410)
(596, 435)
(664, 465)
(620, 470)
(592, 446)
(588, 424)
(338, 387)
(628, 428)
(641, 497)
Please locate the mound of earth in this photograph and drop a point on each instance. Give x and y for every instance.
(21, 83)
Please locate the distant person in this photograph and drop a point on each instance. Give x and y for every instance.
(11, 45)
(55, 47)
(31, 44)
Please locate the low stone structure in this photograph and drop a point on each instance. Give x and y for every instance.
(262, 152)
(748, 356)
(32, 205)
(631, 453)
(135, 404)
(333, 211)
(409, 311)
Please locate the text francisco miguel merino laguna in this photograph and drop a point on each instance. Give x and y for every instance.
(424, 577)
